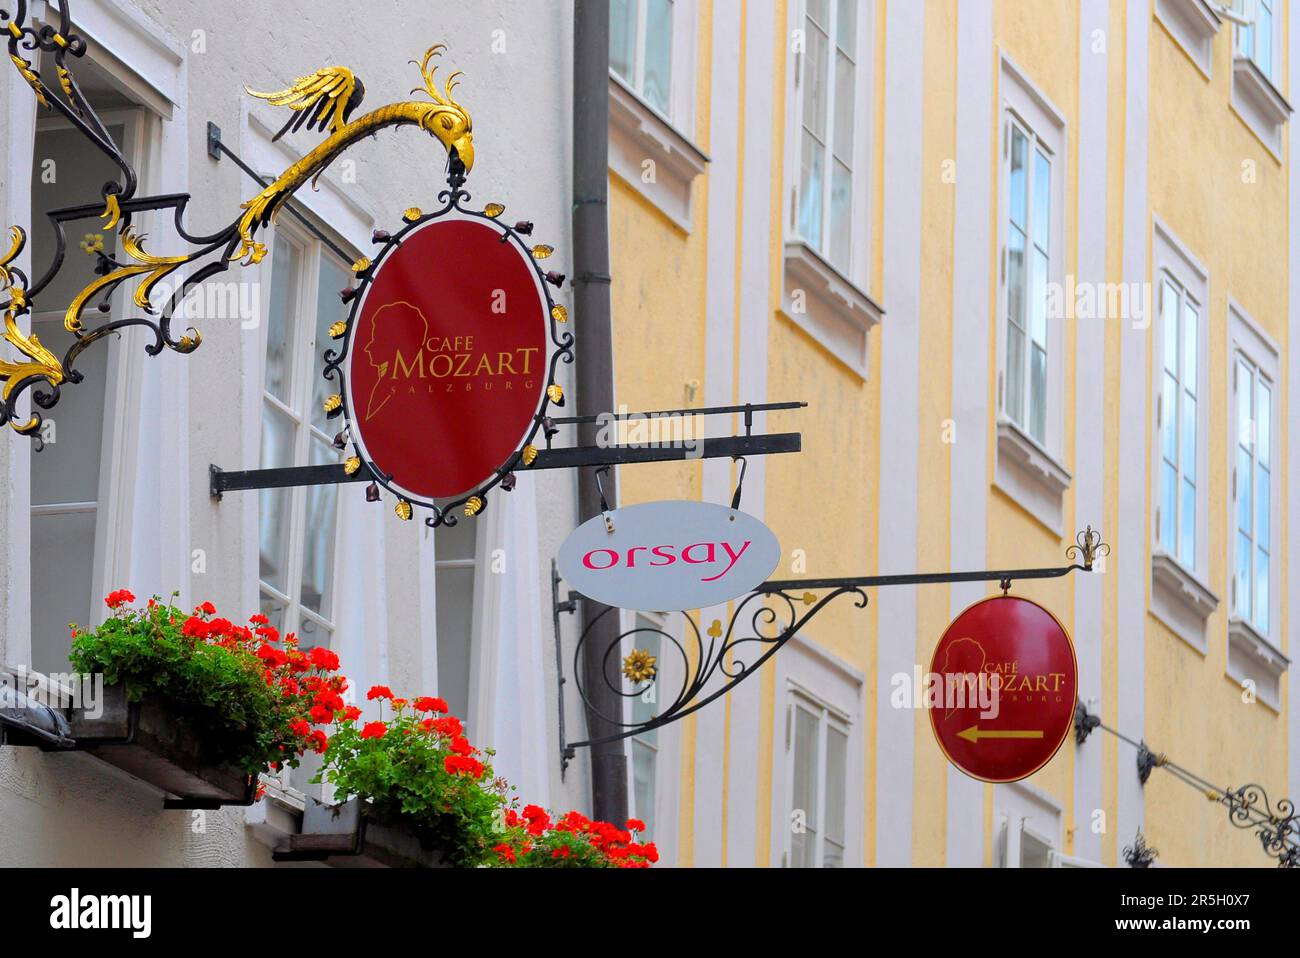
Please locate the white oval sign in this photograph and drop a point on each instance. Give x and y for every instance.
(669, 556)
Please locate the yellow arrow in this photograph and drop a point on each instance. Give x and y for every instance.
(975, 733)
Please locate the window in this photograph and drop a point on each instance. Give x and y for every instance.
(644, 748)
(1026, 271)
(1256, 41)
(641, 49)
(297, 526)
(817, 742)
(1177, 419)
(1252, 494)
(826, 142)
(455, 559)
(78, 487)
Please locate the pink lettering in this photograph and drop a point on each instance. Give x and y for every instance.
(734, 556)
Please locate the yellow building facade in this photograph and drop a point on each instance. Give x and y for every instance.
(1028, 264)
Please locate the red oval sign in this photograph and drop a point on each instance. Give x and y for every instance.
(447, 358)
(1006, 681)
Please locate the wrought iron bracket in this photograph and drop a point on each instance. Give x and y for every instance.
(1140, 854)
(1084, 723)
(760, 624)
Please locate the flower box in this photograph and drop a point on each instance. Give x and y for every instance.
(146, 739)
(352, 835)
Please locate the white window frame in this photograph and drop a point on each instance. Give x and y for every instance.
(681, 90)
(828, 301)
(857, 268)
(1250, 48)
(1027, 107)
(312, 251)
(1019, 809)
(668, 681)
(1179, 596)
(808, 672)
(1250, 344)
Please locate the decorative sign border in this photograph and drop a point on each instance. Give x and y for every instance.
(561, 350)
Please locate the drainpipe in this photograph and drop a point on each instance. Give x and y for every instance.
(595, 372)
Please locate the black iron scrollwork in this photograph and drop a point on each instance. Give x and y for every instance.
(1277, 828)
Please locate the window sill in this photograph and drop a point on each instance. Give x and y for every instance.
(640, 135)
(1030, 475)
(1180, 600)
(1252, 657)
(1259, 104)
(1193, 24)
(832, 309)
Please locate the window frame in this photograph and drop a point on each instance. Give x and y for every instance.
(664, 678)
(808, 671)
(303, 361)
(1275, 40)
(119, 431)
(1173, 260)
(856, 268)
(1023, 105)
(1248, 343)
(680, 114)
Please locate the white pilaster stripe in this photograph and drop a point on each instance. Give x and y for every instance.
(972, 242)
(1293, 408)
(899, 416)
(1131, 547)
(1089, 408)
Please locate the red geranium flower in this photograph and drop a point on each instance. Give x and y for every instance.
(259, 619)
(195, 628)
(324, 659)
(506, 852)
(318, 740)
(352, 713)
(374, 730)
(429, 703)
(635, 825)
(320, 715)
(118, 598)
(379, 692)
(207, 608)
(460, 745)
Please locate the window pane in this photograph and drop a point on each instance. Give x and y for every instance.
(1038, 396)
(846, 25)
(810, 195)
(804, 794)
(1169, 418)
(1242, 576)
(318, 538)
(273, 609)
(1187, 527)
(837, 749)
(1168, 507)
(1262, 505)
(329, 310)
(643, 786)
(1188, 378)
(67, 470)
(1018, 199)
(841, 215)
(658, 54)
(1264, 424)
(815, 78)
(63, 568)
(1016, 277)
(819, 11)
(1038, 301)
(454, 594)
(843, 132)
(1245, 387)
(1261, 590)
(311, 634)
(1264, 40)
(274, 504)
(646, 705)
(1042, 200)
(622, 38)
(1034, 853)
(285, 265)
(1169, 326)
(1187, 442)
(1245, 484)
(1015, 405)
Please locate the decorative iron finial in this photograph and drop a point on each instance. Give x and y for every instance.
(1087, 546)
(1140, 854)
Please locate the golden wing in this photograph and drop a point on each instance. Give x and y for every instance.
(323, 100)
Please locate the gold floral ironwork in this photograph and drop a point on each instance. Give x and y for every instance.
(639, 666)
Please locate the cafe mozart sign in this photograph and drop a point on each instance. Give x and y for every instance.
(447, 364)
(669, 556)
(1002, 687)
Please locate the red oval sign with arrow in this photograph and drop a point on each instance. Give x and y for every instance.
(1002, 688)
(448, 358)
